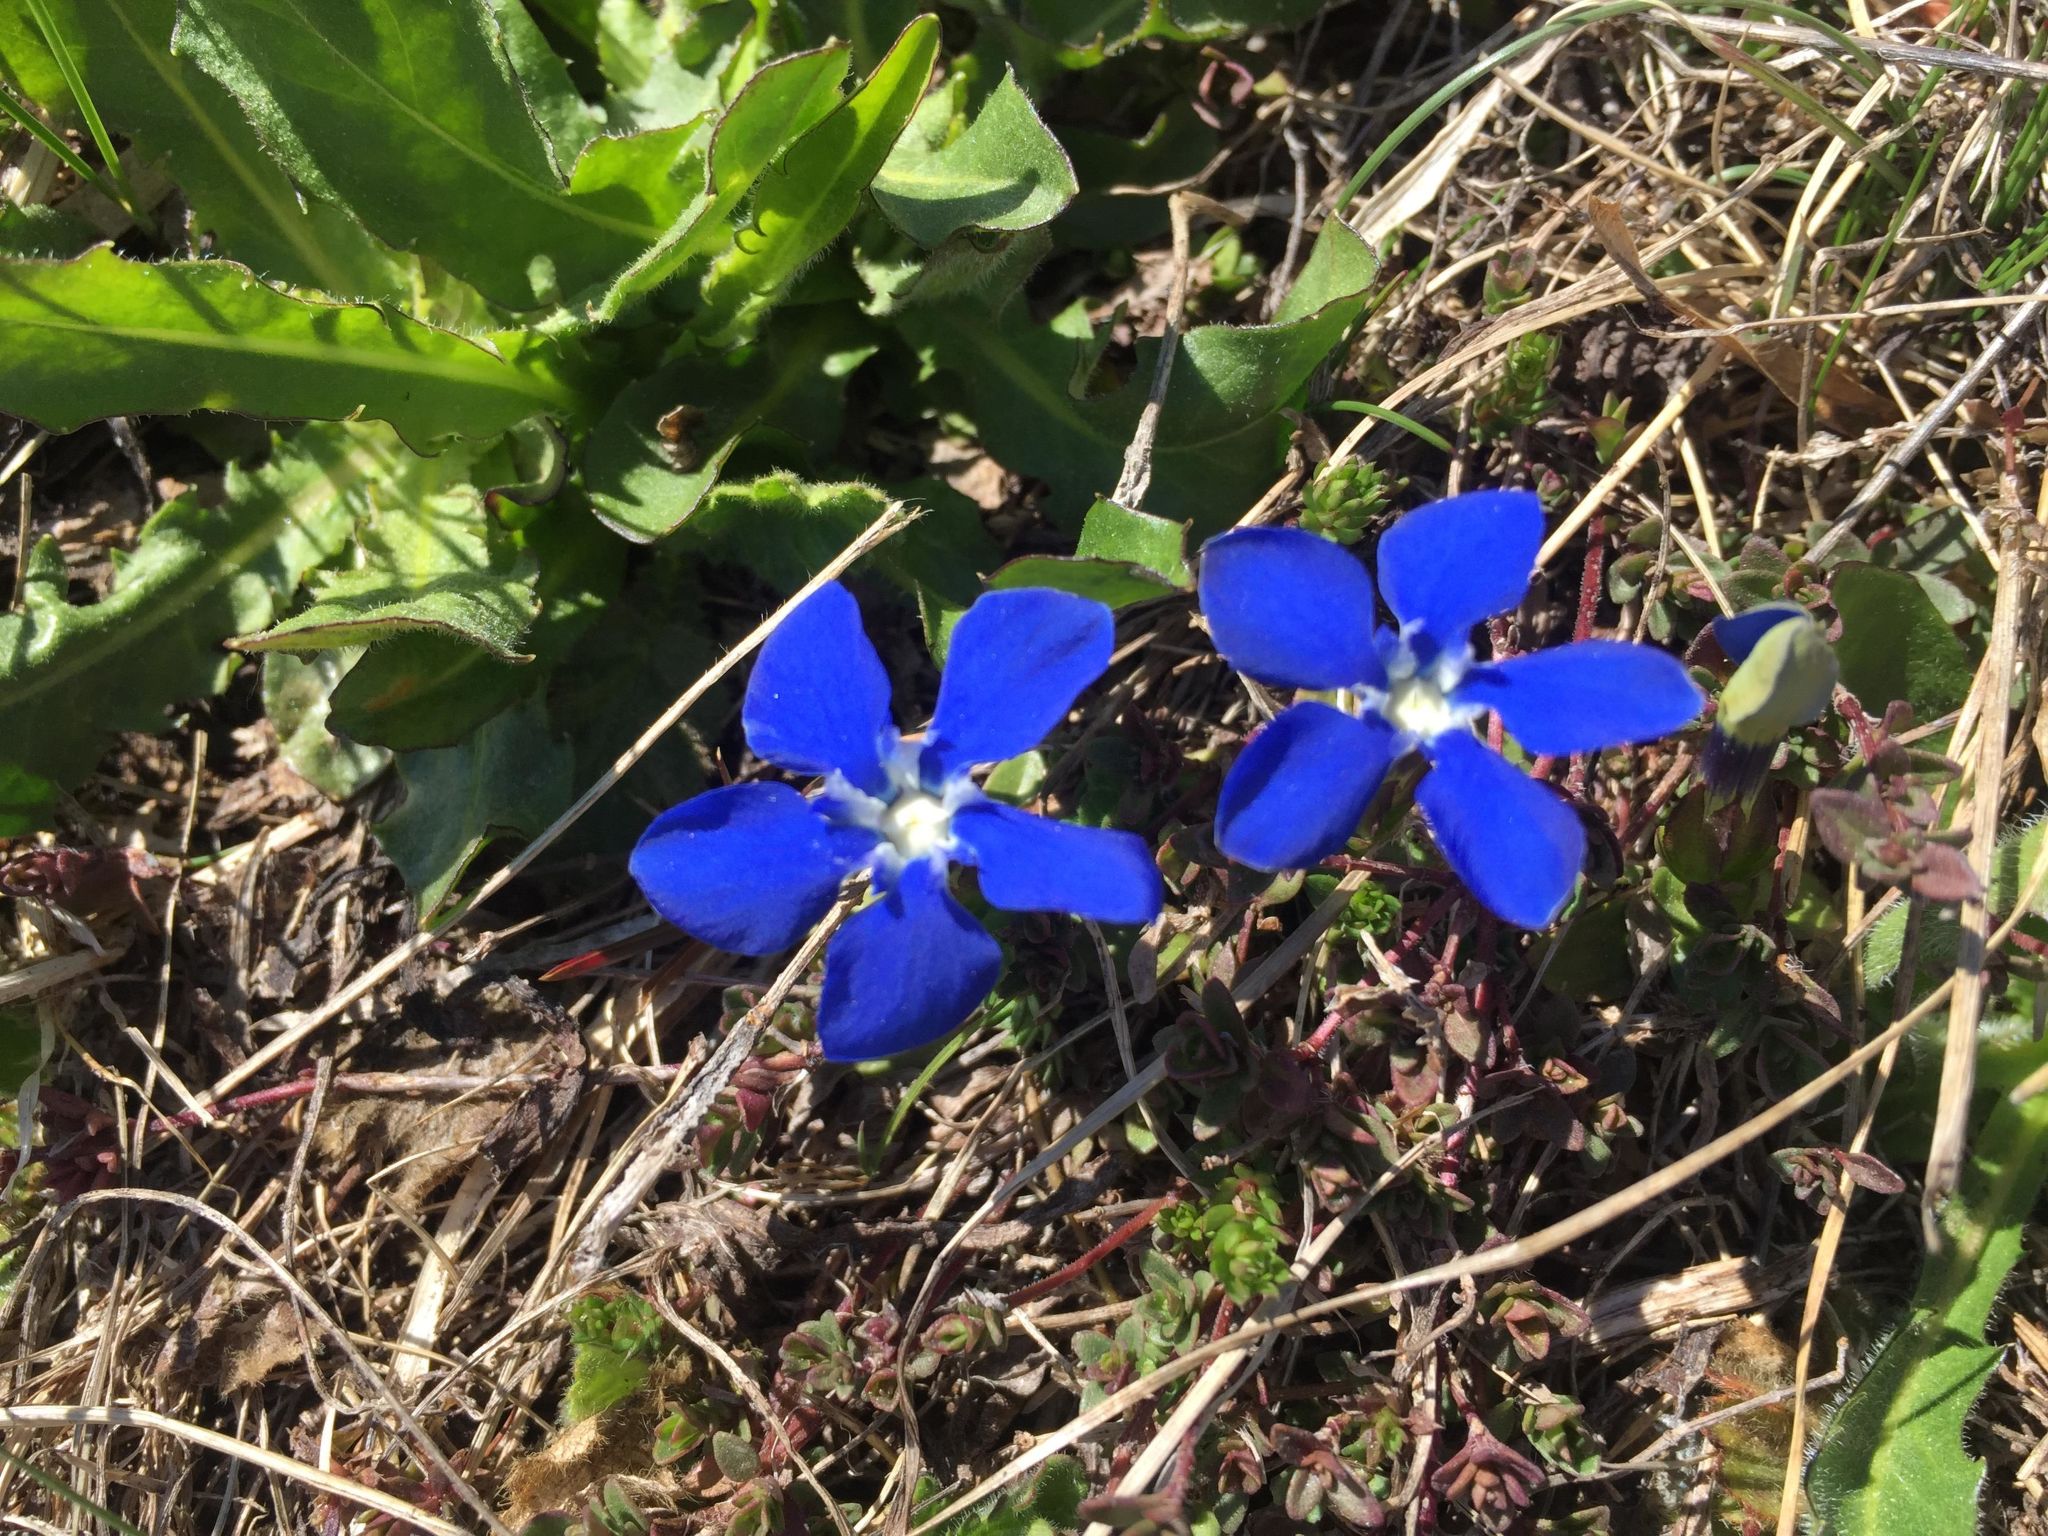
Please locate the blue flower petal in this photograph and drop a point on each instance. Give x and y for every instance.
(1515, 843)
(1585, 697)
(1295, 794)
(819, 698)
(1454, 562)
(1030, 864)
(1740, 634)
(1290, 609)
(904, 970)
(749, 867)
(1016, 662)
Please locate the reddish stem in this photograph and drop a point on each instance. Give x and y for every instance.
(1093, 1256)
(1407, 942)
(1582, 626)
(1589, 576)
(1866, 735)
(1325, 1032)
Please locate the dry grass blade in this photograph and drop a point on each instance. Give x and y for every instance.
(422, 1443)
(1517, 1254)
(1947, 1147)
(56, 1416)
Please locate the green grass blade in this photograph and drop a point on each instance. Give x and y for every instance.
(67, 65)
(68, 1494)
(53, 141)
(1394, 418)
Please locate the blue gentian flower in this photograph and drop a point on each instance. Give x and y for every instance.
(1295, 611)
(752, 867)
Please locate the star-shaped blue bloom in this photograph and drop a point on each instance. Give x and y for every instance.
(752, 867)
(1295, 611)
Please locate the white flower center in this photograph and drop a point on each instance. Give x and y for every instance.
(1417, 700)
(917, 825)
(912, 823)
(1417, 707)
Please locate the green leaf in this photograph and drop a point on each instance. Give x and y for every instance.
(1108, 213)
(70, 677)
(784, 529)
(238, 196)
(781, 102)
(29, 68)
(664, 442)
(650, 647)
(1048, 1504)
(2012, 864)
(668, 65)
(427, 690)
(567, 121)
(1116, 583)
(991, 266)
(22, 1047)
(1893, 1459)
(1017, 779)
(438, 566)
(43, 233)
(1088, 32)
(1221, 435)
(297, 693)
(511, 778)
(805, 207)
(1155, 544)
(1005, 172)
(412, 117)
(100, 337)
(1895, 644)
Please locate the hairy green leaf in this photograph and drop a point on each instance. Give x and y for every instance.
(429, 690)
(439, 566)
(239, 197)
(1157, 544)
(511, 778)
(1045, 1506)
(1004, 172)
(567, 121)
(1895, 643)
(780, 103)
(1221, 436)
(413, 118)
(42, 233)
(100, 337)
(297, 694)
(1893, 1459)
(70, 677)
(817, 188)
(2012, 864)
(992, 267)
